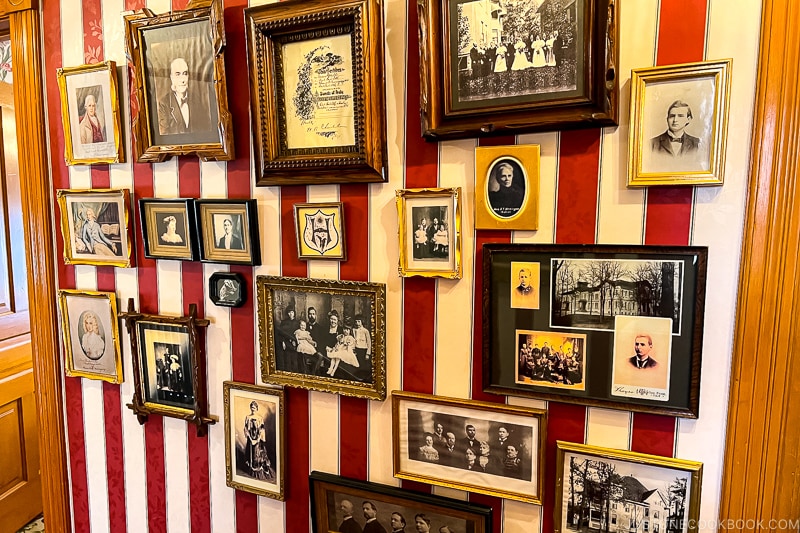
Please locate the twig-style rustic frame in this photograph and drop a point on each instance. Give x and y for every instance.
(447, 69)
(199, 31)
(189, 331)
(308, 40)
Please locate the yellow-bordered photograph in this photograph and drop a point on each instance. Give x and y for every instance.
(507, 187)
(90, 114)
(429, 231)
(91, 334)
(678, 121)
(319, 228)
(602, 489)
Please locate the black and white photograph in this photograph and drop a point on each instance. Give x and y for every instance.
(254, 438)
(604, 490)
(589, 293)
(475, 446)
(228, 231)
(551, 359)
(91, 335)
(642, 357)
(507, 187)
(227, 289)
(167, 373)
(515, 51)
(168, 228)
(431, 239)
(348, 506)
(326, 335)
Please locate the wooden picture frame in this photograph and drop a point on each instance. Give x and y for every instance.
(96, 228)
(169, 366)
(168, 228)
(507, 187)
(482, 447)
(615, 326)
(228, 231)
(694, 99)
(319, 229)
(331, 494)
(323, 356)
(429, 232)
(91, 335)
(565, 81)
(227, 289)
(638, 490)
(90, 114)
(183, 49)
(317, 91)
(255, 439)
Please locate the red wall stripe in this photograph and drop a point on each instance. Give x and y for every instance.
(681, 31)
(579, 163)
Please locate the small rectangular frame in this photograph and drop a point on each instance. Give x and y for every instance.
(515, 471)
(324, 360)
(243, 247)
(324, 217)
(507, 207)
(168, 228)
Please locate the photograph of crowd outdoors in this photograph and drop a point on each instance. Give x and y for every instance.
(475, 444)
(431, 235)
(589, 293)
(521, 49)
(324, 334)
(550, 359)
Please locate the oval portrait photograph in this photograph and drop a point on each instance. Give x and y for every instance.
(506, 187)
(92, 336)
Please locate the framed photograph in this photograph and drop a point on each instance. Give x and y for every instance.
(430, 232)
(95, 227)
(169, 366)
(228, 231)
(323, 335)
(91, 335)
(602, 325)
(347, 505)
(320, 231)
(475, 446)
(507, 187)
(168, 228)
(255, 430)
(90, 113)
(227, 289)
(516, 66)
(679, 122)
(179, 100)
(601, 489)
(317, 92)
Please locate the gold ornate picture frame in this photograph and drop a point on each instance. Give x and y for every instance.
(317, 91)
(89, 322)
(90, 114)
(255, 437)
(429, 232)
(482, 447)
(95, 226)
(679, 121)
(319, 228)
(507, 187)
(323, 335)
(626, 491)
(179, 99)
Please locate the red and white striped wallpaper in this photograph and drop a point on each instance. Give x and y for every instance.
(161, 477)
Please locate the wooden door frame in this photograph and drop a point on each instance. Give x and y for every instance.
(37, 190)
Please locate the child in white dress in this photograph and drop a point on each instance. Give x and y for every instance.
(305, 344)
(343, 351)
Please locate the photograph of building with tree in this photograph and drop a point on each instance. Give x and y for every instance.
(589, 293)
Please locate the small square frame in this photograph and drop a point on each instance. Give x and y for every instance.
(327, 216)
(162, 239)
(227, 289)
(245, 247)
(515, 207)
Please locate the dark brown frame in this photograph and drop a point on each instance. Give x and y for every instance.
(686, 343)
(198, 415)
(145, 19)
(596, 107)
(267, 28)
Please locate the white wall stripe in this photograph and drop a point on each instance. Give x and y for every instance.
(324, 413)
(609, 428)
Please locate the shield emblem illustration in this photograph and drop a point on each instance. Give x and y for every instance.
(320, 232)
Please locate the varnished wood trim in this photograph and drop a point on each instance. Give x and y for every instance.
(26, 56)
(761, 460)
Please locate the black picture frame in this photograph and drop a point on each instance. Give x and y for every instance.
(243, 246)
(227, 289)
(328, 492)
(178, 242)
(623, 325)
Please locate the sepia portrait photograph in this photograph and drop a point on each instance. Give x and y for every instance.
(525, 287)
(551, 359)
(228, 231)
(168, 228)
(507, 187)
(91, 335)
(642, 357)
(167, 373)
(254, 437)
(319, 228)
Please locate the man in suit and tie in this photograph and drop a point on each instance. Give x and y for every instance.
(184, 109)
(229, 240)
(643, 345)
(348, 525)
(470, 441)
(371, 514)
(448, 453)
(675, 141)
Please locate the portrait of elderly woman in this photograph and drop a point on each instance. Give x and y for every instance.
(505, 188)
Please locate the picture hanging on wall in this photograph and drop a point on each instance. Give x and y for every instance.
(507, 187)
(179, 97)
(168, 228)
(679, 120)
(90, 114)
(323, 335)
(228, 231)
(227, 289)
(319, 228)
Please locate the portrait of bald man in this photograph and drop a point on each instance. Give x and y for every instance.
(185, 106)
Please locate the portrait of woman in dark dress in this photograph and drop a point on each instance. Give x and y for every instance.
(506, 188)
